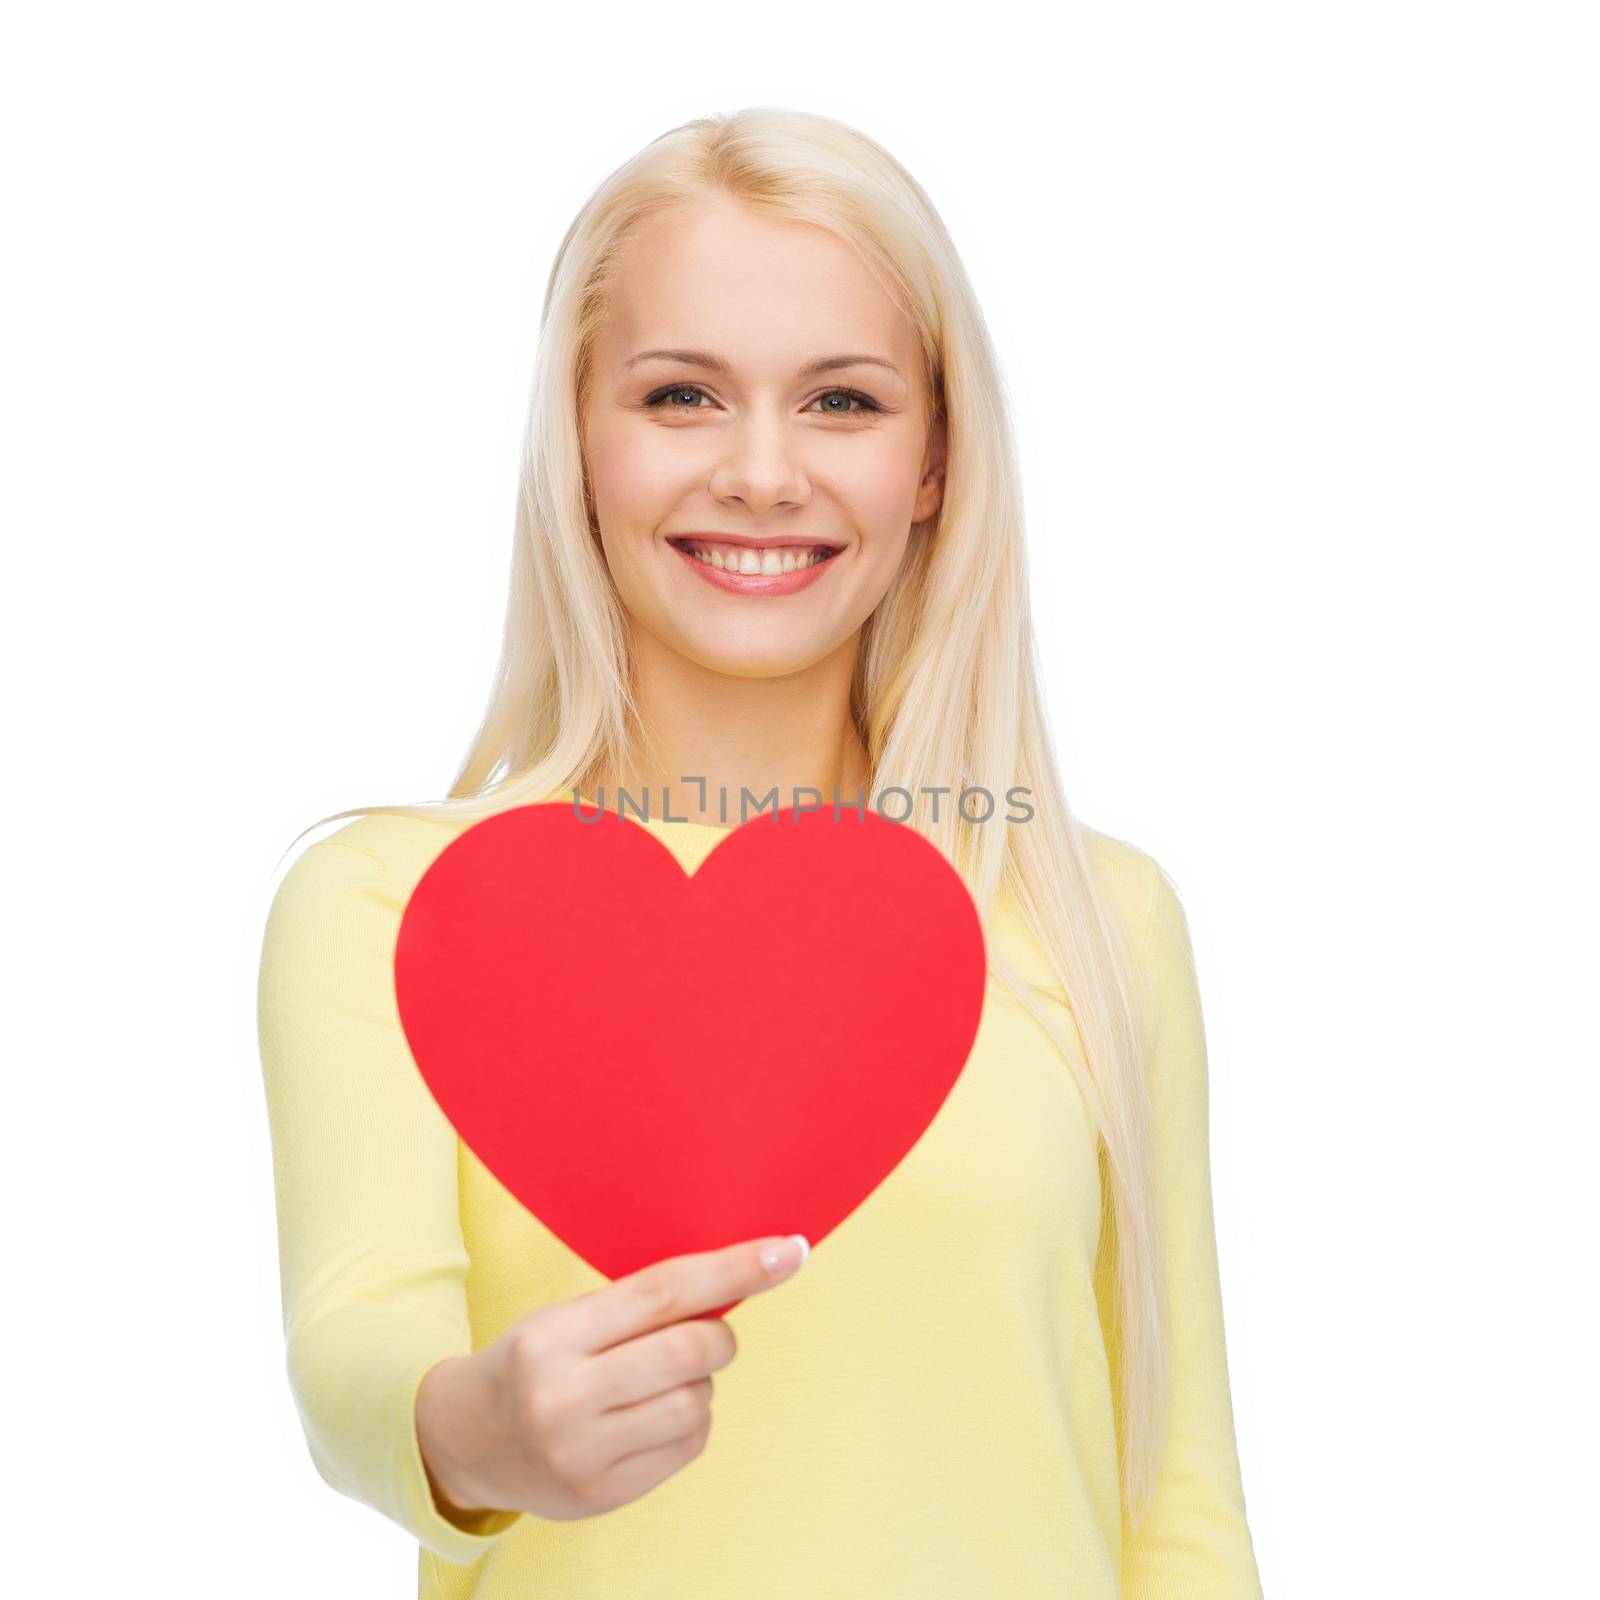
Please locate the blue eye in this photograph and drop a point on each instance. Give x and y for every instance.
(851, 394)
(678, 388)
(659, 398)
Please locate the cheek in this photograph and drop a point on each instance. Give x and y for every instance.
(881, 487)
(634, 469)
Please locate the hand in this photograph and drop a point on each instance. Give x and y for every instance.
(587, 1404)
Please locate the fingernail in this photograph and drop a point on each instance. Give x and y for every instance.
(790, 1254)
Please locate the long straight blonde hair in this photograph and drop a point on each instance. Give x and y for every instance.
(946, 681)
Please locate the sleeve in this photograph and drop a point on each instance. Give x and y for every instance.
(1193, 1541)
(371, 1257)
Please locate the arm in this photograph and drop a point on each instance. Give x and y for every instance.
(1193, 1541)
(371, 1257)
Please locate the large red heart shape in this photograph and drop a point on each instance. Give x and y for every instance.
(655, 1063)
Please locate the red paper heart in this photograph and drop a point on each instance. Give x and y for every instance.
(656, 1064)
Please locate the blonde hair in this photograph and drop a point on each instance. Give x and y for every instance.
(946, 682)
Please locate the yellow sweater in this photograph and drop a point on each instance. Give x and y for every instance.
(924, 1411)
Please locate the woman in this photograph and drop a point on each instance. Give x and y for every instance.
(1005, 1374)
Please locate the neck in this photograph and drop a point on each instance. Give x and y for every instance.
(710, 734)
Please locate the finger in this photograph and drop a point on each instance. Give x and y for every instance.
(654, 1363)
(684, 1286)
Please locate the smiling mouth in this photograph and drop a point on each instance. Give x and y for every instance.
(771, 561)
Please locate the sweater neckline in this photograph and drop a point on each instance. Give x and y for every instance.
(590, 806)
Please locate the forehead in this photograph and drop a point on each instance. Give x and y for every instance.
(763, 292)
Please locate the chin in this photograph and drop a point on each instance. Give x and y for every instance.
(761, 661)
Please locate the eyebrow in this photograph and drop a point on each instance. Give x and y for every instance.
(715, 363)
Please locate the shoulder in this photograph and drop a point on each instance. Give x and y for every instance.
(332, 920)
(1130, 883)
(1158, 926)
(354, 882)
(1136, 884)
(377, 845)
(1168, 981)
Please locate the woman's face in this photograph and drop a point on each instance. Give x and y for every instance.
(741, 445)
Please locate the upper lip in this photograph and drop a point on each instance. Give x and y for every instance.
(771, 541)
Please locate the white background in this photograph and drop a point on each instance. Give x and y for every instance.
(1297, 310)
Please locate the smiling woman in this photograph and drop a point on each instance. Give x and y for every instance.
(751, 454)
(770, 534)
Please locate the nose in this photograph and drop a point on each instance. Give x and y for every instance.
(760, 463)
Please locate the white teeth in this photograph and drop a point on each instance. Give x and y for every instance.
(767, 563)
